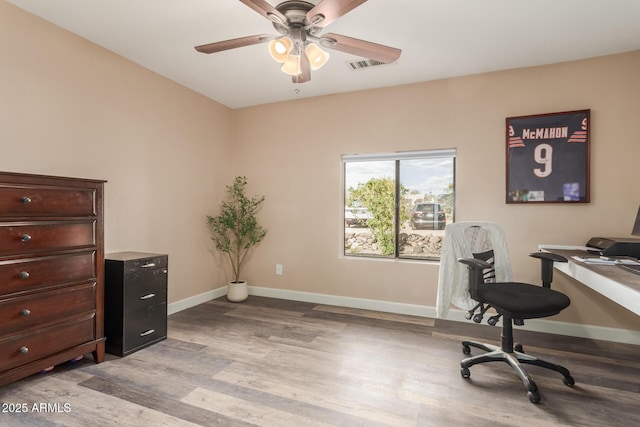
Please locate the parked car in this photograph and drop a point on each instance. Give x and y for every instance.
(428, 215)
(356, 217)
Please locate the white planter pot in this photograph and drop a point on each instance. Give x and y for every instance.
(237, 291)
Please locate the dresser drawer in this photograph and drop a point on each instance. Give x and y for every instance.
(19, 238)
(148, 288)
(19, 349)
(145, 325)
(29, 311)
(32, 273)
(138, 266)
(33, 200)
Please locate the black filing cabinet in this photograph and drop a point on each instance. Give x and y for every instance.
(135, 306)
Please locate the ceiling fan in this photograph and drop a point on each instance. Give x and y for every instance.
(300, 24)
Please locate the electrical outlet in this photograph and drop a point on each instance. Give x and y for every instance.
(279, 269)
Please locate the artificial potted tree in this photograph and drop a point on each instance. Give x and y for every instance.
(235, 231)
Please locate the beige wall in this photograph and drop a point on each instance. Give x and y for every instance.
(68, 107)
(299, 170)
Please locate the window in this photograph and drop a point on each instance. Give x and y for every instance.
(396, 205)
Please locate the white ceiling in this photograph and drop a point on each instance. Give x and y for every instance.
(438, 38)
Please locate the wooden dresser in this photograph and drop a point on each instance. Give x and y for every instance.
(51, 272)
(135, 301)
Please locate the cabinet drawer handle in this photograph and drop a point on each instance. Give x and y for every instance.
(149, 264)
(24, 275)
(149, 332)
(147, 296)
(25, 237)
(25, 312)
(26, 200)
(23, 350)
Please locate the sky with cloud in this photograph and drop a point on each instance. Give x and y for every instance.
(422, 175)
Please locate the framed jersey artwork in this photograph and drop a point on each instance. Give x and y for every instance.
(548, 158)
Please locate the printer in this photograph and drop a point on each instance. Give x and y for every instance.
(614, 246)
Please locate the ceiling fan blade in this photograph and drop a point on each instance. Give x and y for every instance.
(327, 11)
(234, 43)
(305, 71)
(369, 50)
(266, 10)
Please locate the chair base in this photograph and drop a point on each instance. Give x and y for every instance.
(515, 358)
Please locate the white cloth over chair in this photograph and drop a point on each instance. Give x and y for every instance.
(453, 278)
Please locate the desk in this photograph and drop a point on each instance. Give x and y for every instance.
(620, 286)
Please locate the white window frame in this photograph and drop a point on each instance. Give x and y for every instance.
(396, 157)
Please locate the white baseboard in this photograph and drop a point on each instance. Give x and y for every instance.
(183, 304)
(540, 325)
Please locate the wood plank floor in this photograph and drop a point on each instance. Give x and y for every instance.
(271, 362)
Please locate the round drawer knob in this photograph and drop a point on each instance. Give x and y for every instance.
(25, 312)
(25, 237)
(23, 350)
(26, 200)
(24, 275)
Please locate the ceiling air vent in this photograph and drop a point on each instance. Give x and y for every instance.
(361, 64)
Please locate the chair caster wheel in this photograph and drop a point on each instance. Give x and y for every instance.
(465, 372)
(518, 348)
(477, 318)
(534, 396)
(568, 381)
(493, 320)
(466, 349)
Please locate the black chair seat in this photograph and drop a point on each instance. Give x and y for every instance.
(523, 301)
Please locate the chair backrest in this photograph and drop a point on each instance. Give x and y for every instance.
(483, 240)
(479, 244)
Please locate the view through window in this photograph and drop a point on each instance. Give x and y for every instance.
(396, 205)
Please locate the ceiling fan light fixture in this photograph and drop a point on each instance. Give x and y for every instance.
(279, 49)
(299, 47)
(292, 65)
(317, 57)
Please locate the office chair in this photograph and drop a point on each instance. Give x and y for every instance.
(475, 275)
